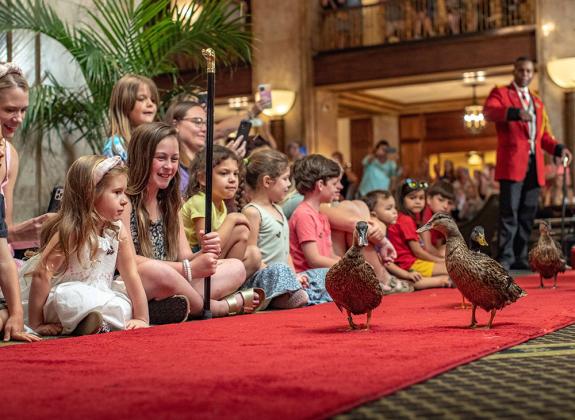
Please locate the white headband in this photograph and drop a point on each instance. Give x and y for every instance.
(9, 68)
(104, 167)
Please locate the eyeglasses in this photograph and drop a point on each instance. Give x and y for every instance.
(197, 121)
(414, 184)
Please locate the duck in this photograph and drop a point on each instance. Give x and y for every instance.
(479, 278)
(352, 282)
(476, 243)
(546, 257)
(477, 240)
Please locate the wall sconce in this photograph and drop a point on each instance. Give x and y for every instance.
(185, 9)
(562, 72)
(238, 103)
(282, 102)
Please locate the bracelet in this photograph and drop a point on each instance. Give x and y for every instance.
(187, 270)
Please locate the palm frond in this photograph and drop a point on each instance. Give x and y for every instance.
(118, 37)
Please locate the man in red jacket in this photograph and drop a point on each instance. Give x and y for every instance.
(523, 133)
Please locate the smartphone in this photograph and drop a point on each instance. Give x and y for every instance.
(202, 97)
(265, 91)
(55, 199)
(244, 129)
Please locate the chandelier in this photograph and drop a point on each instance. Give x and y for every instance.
(473, 119)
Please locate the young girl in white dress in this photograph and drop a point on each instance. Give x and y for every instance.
(68, 287)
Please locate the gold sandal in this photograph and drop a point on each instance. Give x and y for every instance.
(248, 298)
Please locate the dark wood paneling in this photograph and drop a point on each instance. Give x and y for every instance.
(361, 139)
(230, 81)
(440, 132)
(459, 145)
(449, 125)
(422, 57)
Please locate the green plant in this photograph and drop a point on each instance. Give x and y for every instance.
(117, 37)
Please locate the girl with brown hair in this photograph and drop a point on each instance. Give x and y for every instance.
(166, 263)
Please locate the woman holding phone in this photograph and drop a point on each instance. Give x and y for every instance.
(189, 119)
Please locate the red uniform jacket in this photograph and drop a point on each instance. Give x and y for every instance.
(502, 107)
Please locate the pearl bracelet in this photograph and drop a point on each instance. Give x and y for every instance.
(187, 270)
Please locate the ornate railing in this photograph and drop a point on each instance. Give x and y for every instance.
(391, 21)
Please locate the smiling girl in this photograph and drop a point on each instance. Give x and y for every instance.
(165, 261)
(134, 101)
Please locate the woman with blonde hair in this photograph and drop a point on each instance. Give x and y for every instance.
(13, 105)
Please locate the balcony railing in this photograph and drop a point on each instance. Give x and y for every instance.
(392, 21)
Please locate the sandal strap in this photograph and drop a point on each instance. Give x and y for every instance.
(248, 301)
(234, 307)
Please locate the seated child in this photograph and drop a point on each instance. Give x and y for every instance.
(411, 256)
(439, 199)
(268, 177)
(311, 246)
(72, 289)
(233, 228)
(11, 312)
(382, 206)
(317, 178)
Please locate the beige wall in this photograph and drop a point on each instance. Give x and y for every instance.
(41, 168)
(558, 44)
(284, 60)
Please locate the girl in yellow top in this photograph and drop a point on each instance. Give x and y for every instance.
(233, 228)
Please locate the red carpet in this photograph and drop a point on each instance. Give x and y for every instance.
(291, 364)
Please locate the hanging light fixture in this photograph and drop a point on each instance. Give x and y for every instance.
(473, 119)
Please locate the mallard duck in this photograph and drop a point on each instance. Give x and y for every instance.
(477, 240)
(352, 282)
(546, 257)
(481, 279)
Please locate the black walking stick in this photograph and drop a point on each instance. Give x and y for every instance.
(210, 57)
(565, 162)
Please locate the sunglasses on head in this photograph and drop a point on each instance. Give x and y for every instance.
(415, 184)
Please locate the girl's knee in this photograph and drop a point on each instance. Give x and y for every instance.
(240, 233)
(157, 278)
(233, 271)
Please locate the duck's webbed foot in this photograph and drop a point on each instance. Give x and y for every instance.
(352, 325)
(490, 323)
(368, 320)
(555, 281)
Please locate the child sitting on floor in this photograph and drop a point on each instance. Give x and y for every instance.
(134, 101)
(382, 207)
(72, 289)
(317, 178)
(233, 228)
(268, 177)
(172, 275)
(411, 256)
(11, 312)
(311, 246)
(439, 199)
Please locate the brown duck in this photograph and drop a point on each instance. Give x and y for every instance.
(546, 257)
(352, 282)
(481, 279)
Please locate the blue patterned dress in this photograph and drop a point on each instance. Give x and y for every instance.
(277, 278)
